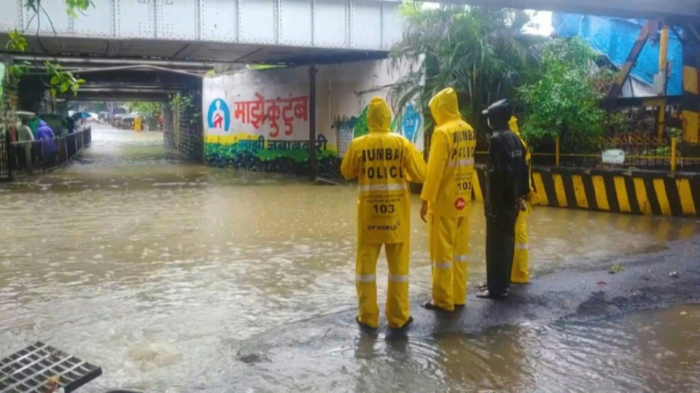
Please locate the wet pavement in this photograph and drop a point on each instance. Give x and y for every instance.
(161, 271)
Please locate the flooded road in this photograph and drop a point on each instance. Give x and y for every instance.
(157, 270)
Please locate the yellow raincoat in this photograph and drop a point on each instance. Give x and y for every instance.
(520, 272)
(448, 191)
(384, 163)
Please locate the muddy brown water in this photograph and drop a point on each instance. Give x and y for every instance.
(157, 269)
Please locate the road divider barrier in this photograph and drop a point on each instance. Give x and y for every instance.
(620, 191)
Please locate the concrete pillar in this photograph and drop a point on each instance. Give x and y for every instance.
(313, 163)
(691, 88)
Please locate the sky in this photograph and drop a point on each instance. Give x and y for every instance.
(541, 23)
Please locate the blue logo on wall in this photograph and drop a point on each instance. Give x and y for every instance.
(411, 123)
(219, 116)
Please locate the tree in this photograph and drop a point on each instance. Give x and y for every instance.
(148, 109)
(481, 52)
(565, 101)
(59, 79)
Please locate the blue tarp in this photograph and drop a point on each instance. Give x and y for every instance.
(614, 37)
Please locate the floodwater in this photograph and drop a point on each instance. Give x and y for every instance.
(158, 270)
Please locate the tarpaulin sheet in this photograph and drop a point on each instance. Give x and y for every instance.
(614, 37)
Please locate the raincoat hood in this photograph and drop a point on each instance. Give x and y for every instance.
(513, 125)
(378, 115)
(443, 106)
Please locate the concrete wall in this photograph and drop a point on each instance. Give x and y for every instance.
(183, 127)
(258, 120)
(621, 191)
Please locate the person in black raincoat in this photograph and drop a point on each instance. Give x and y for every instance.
(506, 189)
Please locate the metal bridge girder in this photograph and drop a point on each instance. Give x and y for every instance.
(343, 24)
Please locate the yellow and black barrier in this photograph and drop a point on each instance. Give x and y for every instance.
(621, 191)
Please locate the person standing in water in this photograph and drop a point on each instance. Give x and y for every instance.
(447, 196)
(507, 187)
(520, 273)
(384, 163)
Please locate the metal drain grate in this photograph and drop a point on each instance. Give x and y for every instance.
(33, 368)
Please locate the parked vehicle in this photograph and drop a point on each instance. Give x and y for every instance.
(127, 122)
(117, 120)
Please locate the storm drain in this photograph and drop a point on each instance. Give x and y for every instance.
(43, 368)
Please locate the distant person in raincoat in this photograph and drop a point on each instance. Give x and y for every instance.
(520, 274)
(48, 144)
(447, 196)
(384, 163)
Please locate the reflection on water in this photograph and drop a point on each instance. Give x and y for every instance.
(656, 350)
(155, 269)
(649, 351)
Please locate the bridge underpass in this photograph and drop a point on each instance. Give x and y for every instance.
(263, 31)
(198, 34)
(120, 81)
(182, 35)
(249, 31)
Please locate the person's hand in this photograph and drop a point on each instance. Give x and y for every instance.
(424, 211)
(520, 203)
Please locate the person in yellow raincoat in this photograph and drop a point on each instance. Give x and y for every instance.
(520, 273)
(383, 162)
(447, 195)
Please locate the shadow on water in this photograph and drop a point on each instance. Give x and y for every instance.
(157, 269)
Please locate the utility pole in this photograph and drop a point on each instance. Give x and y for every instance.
(313, 164)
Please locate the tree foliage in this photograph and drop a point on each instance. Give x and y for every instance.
(72, 6)
(565, 101)
(148, 109)
(59, 79)
(481, 52)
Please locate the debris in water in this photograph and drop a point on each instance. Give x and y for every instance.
(674, 275)
(53, 383)
(616, 268)
(324, 182)
(156, 354)
(602, 283)
(252, 358)
(684, 313)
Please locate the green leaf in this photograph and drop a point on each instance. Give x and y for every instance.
(54, 80)
(32, 5)
(17, 41)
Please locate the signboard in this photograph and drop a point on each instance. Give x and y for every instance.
(614, 156)
(256, 120)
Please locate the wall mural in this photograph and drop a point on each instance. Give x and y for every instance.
(263, 133)
(265, 127)
(410, 125)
